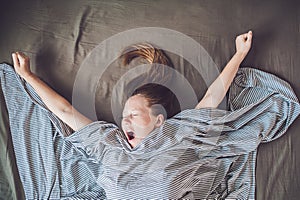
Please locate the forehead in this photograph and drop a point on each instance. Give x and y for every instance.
(137, 102)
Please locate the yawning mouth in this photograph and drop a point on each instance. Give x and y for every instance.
(130, 135)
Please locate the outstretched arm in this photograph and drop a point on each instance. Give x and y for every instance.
(55, 102)
(218, 89)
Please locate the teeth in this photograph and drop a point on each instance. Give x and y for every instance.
(130, 135)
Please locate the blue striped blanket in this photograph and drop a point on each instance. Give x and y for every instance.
(197, 154)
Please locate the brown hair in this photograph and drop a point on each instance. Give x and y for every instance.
(148, 52)
(160, 98)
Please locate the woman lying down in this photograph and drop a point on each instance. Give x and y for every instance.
(197, 154)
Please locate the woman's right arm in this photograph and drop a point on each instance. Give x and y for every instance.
(218, 89)
(55, 102)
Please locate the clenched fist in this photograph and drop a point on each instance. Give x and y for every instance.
(243, 43)
(22, 64)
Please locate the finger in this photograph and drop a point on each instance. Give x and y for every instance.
(242, 37)
(22, 58)
(245, 35)
(22, 55)
(15, 60)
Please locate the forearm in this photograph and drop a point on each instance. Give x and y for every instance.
(218, 89)
(220, 86)
(57, 104)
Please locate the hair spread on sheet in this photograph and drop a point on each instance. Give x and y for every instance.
(160, 98)
(146, 51)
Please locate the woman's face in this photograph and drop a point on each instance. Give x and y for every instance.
(138, 120)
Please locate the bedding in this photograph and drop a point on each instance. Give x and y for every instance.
(59, 36)
(197, 154)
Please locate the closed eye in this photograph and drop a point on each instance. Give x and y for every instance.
(130, 116)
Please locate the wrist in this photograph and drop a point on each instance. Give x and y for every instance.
(30, 76)
(240, 55)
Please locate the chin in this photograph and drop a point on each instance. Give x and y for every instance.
(135, 142)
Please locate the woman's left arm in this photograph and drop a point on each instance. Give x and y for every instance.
(218, 89)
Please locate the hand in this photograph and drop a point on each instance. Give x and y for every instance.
(22, 64)
(243, 43)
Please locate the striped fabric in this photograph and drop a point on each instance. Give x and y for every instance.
(206, 153)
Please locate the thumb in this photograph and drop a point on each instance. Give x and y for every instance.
(249, 36)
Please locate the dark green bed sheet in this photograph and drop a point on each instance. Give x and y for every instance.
(59, 35)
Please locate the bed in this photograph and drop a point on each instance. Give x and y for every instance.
(60, 37)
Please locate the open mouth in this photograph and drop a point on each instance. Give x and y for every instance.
(130, 135)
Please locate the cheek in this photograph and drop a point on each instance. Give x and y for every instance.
(143, 121)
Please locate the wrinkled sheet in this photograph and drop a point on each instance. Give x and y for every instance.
(205, 153)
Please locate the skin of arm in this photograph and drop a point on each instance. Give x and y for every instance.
(55, 102)
(218, 89)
